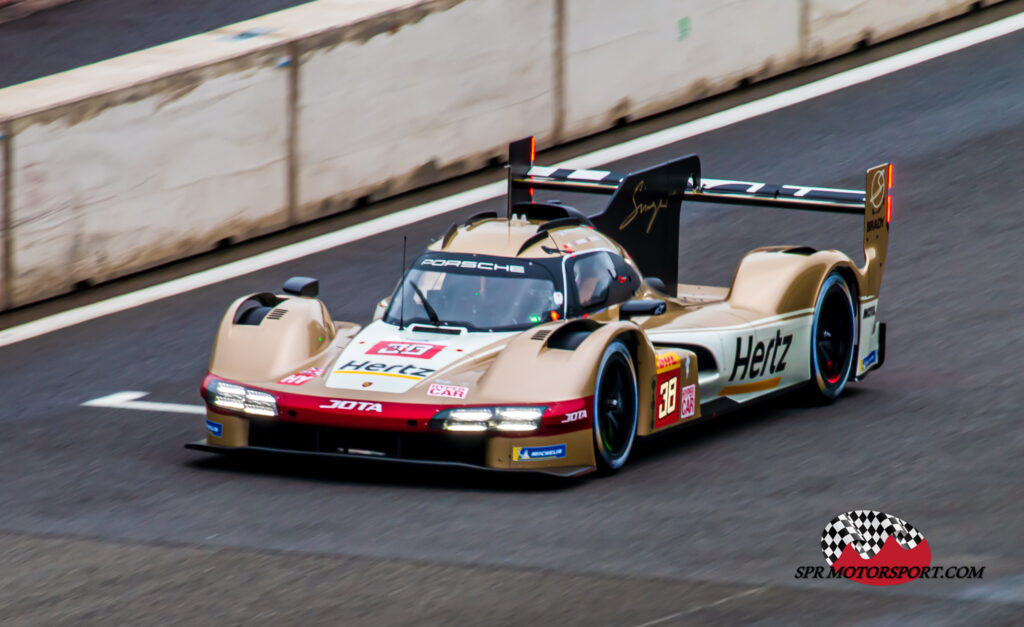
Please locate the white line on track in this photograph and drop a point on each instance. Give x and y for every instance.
(130, 400)
(441, 206)
(698, 608)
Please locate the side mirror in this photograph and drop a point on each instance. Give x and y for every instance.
(646, 307)
(382, 306)
(302, 286)
(656, 283)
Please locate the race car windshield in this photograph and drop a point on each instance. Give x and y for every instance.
(477, 292)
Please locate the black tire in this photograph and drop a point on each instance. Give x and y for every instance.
(615, 408)
(833, 339)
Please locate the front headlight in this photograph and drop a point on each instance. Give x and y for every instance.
(470, 419)
(238, 398)
(517, 418)
(491, 418)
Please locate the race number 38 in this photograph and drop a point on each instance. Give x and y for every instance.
(667, 406)
(675, 401)
(420, 350)
(669, 392)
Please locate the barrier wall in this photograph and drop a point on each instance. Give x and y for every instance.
(126, 164)
(628, 59)
(120, 182)
(837, 26)
(381, 113)
(4, 230)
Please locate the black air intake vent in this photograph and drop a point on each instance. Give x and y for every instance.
(277, 314)
(425, 329)
(541, 335)
(800, 250)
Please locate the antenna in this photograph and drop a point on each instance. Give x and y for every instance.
(401, 291)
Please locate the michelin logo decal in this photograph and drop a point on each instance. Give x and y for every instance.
(531, 453)
(216, 429)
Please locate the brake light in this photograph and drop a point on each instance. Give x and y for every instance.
(888, 209)
(533, 155)
(890, 176)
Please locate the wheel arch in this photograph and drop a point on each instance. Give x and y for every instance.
(777, 281)
(645, 365)
(819, 390)
(294, 332)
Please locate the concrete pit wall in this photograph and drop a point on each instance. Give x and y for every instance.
(126, 164)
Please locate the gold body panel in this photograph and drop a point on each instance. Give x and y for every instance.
(772, 286)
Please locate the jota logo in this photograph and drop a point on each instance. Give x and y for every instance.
(771, 359)
(573, 416)
(356, 405)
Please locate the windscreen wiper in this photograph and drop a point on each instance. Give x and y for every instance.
(431, 313)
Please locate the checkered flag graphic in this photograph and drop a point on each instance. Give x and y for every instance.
(867, 531)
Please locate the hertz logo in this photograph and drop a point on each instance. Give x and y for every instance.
(760, 359)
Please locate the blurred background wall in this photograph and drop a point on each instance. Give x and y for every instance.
(122, 165)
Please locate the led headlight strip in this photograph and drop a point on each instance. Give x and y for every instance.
(477, 419)
(238, 398)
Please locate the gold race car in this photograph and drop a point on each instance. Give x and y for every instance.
(548, 341)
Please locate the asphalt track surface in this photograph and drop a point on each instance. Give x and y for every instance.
(105, 517)
(87, 31)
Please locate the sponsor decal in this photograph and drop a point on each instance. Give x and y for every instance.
(688, 401)
(871, 358)
(531, 453)
(668, 400)
(404, 371)
(353, 405)
(869, 311)
(573, 416)
(469, 264)
(419, 350)
(300, 378)
(667, 410)
(447, 391)
(640, 208)
(760, 359)
(878, 188)
(879, 549)
(873, 225)
(215, 428)
(667, 361)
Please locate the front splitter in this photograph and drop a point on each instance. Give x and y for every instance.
(563, 472)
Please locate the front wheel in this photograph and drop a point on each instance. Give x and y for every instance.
(615, 408)
(833, 339)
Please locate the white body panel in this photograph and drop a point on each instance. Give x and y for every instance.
(766, 354)
(867, 356)
(384, 359)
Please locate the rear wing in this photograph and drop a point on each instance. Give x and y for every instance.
(642, 213)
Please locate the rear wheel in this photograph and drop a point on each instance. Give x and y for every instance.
(833, 338)
(615, 408)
